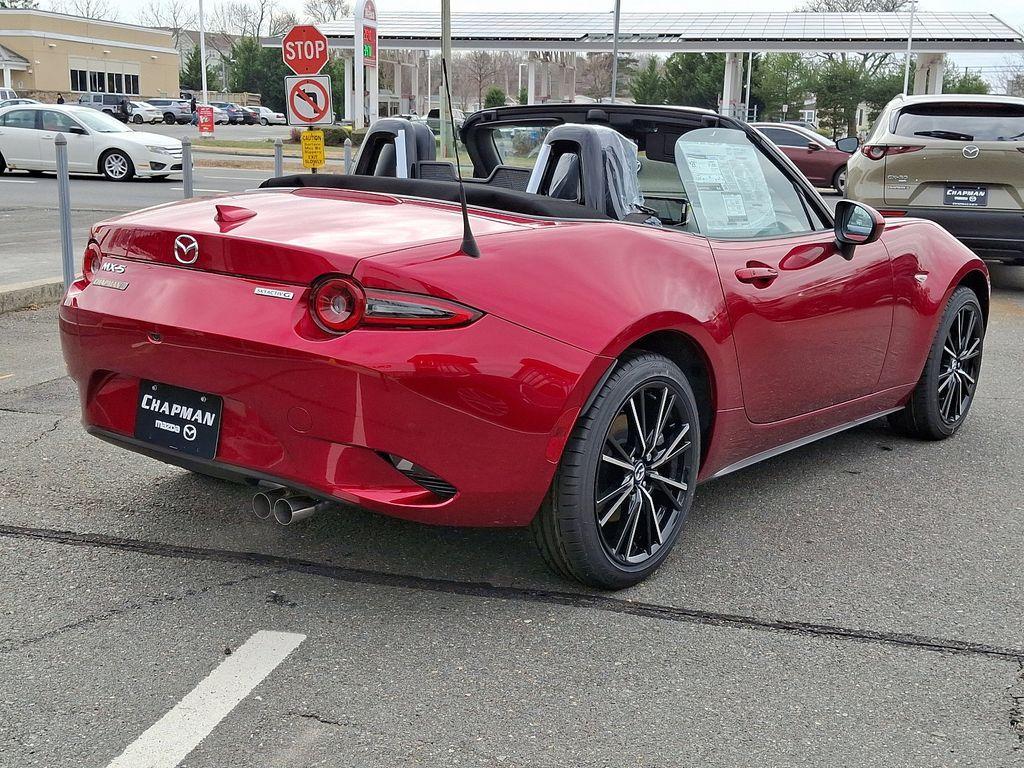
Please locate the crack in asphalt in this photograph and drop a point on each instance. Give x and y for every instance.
(7, 646)
(45, 432)
(486, 590)
(1017, 708)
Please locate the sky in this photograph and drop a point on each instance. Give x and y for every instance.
(1010, 12)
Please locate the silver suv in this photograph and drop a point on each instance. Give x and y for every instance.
(175, 110)
(105, 102)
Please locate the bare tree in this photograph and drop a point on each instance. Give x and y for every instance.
(319, 11)
(91, 9)
(173, 14)
(480, 69)
(1011, 76)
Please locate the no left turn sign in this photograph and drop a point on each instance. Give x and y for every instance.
(309, 100)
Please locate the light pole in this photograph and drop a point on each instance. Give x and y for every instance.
(910, 45)
(615, 48)
(446, 54)
(202, 49)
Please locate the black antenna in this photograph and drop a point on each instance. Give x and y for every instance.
(469, 246)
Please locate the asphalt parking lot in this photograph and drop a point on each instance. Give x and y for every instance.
(857, 602)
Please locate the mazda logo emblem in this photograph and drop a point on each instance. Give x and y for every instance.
(971, 151)
(186, 249)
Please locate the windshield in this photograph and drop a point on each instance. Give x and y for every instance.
(963, 122)
(101, 122)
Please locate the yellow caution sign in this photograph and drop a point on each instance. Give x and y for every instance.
(313, 155)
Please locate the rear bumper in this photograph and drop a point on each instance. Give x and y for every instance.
(485, 408)
(995, 235)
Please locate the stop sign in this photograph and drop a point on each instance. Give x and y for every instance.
(304, 49)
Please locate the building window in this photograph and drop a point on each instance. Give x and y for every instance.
(131, 84)
(96, 82)
(79, 80)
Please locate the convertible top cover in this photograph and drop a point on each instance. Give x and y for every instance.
(477, 194)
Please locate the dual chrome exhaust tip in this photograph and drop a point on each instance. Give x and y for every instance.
(285, 506)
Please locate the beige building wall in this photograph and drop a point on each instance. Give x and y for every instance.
(54, 44)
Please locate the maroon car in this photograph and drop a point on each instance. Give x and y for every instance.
(815, 156)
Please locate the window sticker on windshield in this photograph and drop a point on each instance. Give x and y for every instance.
(726, 183)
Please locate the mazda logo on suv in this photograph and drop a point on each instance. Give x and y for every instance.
(971, 151)
(186, 249)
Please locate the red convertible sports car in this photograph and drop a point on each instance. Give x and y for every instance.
(654, 298)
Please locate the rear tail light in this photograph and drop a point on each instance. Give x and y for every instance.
(340, 304)
(878, 151)
(91, 260)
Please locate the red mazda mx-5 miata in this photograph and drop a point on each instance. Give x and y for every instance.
(654, 297)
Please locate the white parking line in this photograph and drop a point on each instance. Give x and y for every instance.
(17, 181)
(199, 189)
(169, 740)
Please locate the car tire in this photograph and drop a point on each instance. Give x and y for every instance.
(115, 165)
(839, 181)
(137, 119)
(940, 402)
(264, 121)
(601, 510)
(169, 118)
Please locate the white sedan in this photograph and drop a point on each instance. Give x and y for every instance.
(97, 143)
(143, 112)
(270, 117)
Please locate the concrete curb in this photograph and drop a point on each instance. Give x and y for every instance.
(34, 293)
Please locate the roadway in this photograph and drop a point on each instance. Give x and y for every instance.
(856, 602)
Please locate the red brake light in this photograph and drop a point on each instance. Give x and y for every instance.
(340, 304)
(878, 151)
(91, 260)
(337, 304)
(409, 310)
(890, 213)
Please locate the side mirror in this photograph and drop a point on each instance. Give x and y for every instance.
(813, 146)
(848, 145)
(77, 129)
(856, 224)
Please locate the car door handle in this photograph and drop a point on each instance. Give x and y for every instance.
(47, 136)
(761, 277)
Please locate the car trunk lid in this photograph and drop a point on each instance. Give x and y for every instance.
(285, 235)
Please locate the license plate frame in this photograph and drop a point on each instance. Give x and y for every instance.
(965, 196)
(181, 419)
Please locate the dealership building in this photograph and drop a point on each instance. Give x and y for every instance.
(44, 53)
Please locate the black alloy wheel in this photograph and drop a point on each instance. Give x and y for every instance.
(940, 402)
(626, 479)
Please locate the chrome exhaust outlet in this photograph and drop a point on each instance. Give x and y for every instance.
(263, 502)
(292, 509)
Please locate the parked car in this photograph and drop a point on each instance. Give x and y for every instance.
(106, 102)
(15, 102)
(578, 369)
(236, 115)
(220, 117)
(816, 156)
(8, 93)
(957, 160)
(174, 110)
(434, 120)
(143, 112)
(97, 143)
(267, 116)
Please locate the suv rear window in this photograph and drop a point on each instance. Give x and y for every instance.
(962, 122)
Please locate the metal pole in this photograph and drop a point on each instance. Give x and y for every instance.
(615, 49)
(278, 157)
(64, 210)
(202, 51)
(910, 45)
(750, 68)
(348, 155)
(186, 167)
(446, 55)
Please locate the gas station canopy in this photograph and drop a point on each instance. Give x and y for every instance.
(704, 32)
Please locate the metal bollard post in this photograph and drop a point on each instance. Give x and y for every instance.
(348, 155)
(64, 210)
(186, 167)
(278, 157)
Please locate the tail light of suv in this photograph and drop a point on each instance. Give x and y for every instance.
(878, 151)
